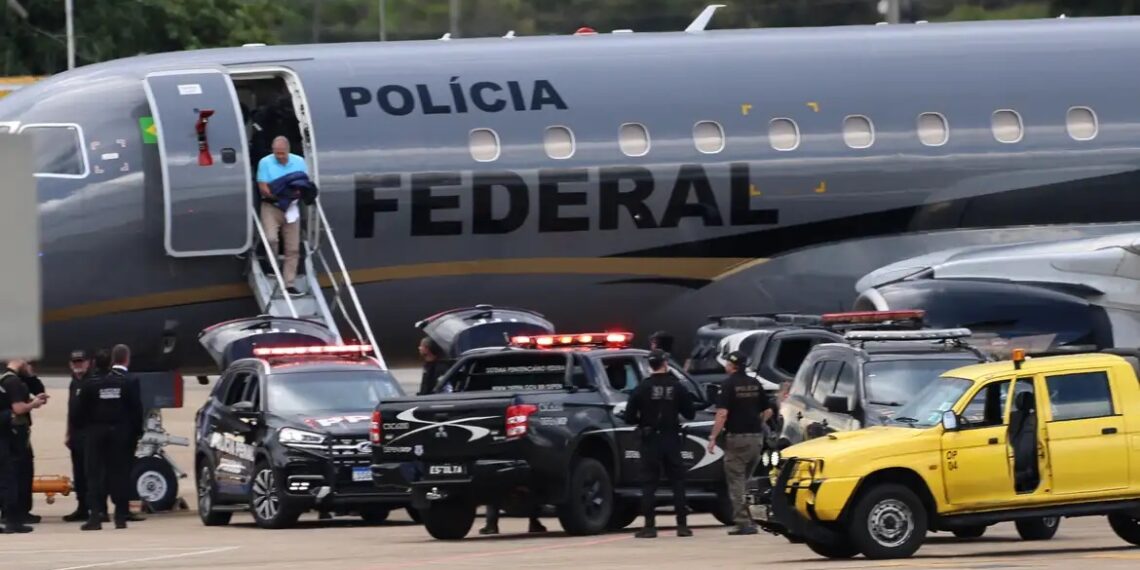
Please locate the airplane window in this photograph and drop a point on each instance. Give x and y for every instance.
(1082, 124)
(634, 139)
(708, 136)
(58, 150)
(559, 142)
(858, 132)
(932, 129)
(484, 145)
(1007, 126)
(784, 134)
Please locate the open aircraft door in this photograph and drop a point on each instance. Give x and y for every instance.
(206, 176)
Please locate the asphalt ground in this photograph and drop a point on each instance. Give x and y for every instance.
(178, 540)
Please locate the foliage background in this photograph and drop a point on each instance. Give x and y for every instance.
(109, 29)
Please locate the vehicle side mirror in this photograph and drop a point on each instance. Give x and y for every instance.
(244, 409)
(204, 380)
(837, 404)
(712, 392)
(949, 420)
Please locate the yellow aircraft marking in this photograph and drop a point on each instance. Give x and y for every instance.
(753, 190)
(745, 108)
(814, 106)
(821, 188)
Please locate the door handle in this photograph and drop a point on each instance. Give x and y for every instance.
(1108, 431)
(993, 441)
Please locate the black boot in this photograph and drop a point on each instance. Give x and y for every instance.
(647, 532)
(93, 523)
(489, 529)
(77, 516)
(536, 526)
(683, 527)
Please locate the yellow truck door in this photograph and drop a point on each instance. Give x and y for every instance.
(975, 463)
(1088, 446)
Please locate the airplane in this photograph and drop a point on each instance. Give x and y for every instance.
(634, 181)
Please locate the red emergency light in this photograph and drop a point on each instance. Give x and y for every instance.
(871, 317)
(610, 339)
(304, 350)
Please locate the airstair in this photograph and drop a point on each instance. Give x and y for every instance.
(328, 308)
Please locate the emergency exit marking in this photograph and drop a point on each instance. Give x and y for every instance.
(821, 188)
(814, 106)
(190, 89)
(745, 108)
(753, 191)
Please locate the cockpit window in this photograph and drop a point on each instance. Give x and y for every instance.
(58, 150)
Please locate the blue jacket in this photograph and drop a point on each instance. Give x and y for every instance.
(292, 186)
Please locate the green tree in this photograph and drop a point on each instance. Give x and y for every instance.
(1078, 8)
(109, 29)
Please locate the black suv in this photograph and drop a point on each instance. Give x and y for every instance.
(776, 344)
(863, 381)
(285, 428)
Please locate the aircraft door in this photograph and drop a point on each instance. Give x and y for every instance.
(206, 175)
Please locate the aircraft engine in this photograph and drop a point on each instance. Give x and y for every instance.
(1080, 294)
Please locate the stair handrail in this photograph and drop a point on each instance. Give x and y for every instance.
(272, 256)
(348, 285)
(320, 256)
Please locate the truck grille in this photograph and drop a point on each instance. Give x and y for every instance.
(350, 447)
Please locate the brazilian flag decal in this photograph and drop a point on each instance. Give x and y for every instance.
(149, 132)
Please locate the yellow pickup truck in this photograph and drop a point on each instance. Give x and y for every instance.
(964, 454)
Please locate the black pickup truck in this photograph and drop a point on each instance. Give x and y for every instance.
(532, 424)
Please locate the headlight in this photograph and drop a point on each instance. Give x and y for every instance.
(774, 458)
(296, 436)
(765, 459)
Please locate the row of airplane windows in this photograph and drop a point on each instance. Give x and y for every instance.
(933, 129)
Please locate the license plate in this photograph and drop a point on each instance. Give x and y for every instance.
(361, 474)
(447, 470)
(762, 513)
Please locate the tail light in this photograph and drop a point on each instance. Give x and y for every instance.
(518, 419)
(374, 429)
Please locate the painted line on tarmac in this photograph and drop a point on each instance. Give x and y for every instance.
(151, 558)
(474, 555)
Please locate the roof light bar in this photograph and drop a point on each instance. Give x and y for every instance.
(575, 339)
(929, 334)
(871, 316)
(303, 350)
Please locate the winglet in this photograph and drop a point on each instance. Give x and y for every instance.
(703, 18)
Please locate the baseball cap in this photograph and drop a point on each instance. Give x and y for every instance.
(657, 357)
(78, 355)
(737, 357)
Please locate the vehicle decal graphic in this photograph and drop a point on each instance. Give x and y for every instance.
(706, 460)
(410, 416)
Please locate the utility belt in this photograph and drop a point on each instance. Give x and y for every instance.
(650, 431)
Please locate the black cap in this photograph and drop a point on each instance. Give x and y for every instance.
(657, 357)
(79, 354)
(737, 357)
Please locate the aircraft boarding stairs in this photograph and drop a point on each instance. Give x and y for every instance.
(317, 244)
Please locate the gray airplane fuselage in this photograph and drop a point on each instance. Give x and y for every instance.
(601, 239)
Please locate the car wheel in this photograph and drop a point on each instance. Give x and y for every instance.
(970, 531)
(1038, 529)
(154, 483)
(888, 522)
(414, 514)
(841, 551)
(590, 502)
(206, 500)
(449, 520)
(625, 512)
(267, 503)
(1126, 527)
(374, 515)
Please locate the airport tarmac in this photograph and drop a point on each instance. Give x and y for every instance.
(179, 541)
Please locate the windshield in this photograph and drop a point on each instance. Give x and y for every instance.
(925, 408)
(894, 382)
(310, 393)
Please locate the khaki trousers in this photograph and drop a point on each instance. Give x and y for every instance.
(273, 220)
(741, 456)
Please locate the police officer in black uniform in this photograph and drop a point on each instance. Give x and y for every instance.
(15, 405)
(109, 415)
(434, 366)
(654, 407)
(80, 373)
